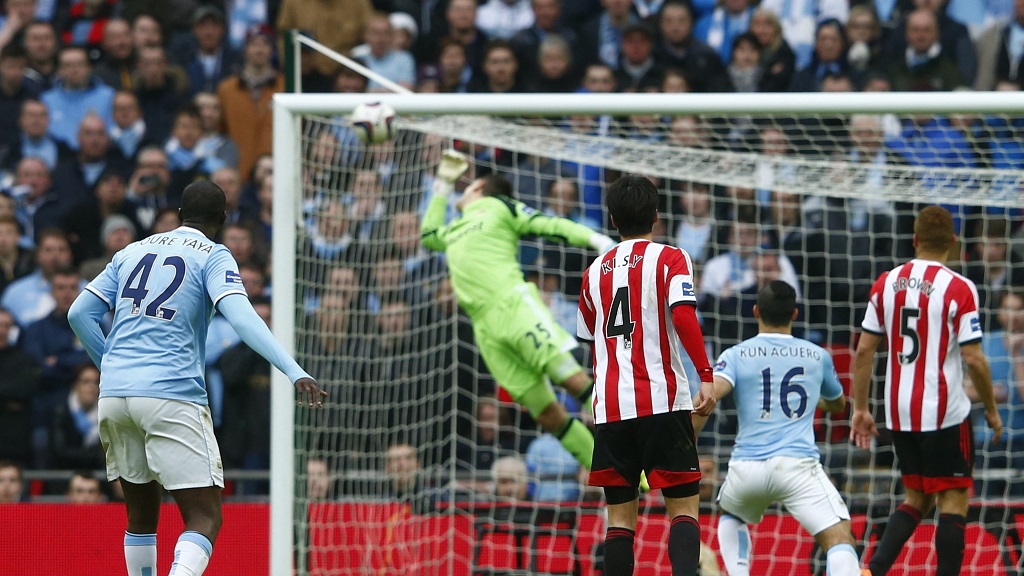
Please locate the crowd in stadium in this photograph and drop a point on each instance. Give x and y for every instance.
(108, 109)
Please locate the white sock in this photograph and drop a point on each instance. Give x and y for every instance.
(191, 554)
(841, 560)
(734, 544)
(140, 554)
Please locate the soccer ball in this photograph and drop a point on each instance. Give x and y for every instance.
(373, 122)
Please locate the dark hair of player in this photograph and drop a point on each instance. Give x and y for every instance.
(776, 302)
(203, 202)
(633, 204)
(495, 185)
(933, 228)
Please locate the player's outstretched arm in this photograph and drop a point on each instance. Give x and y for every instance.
(254, 332)
(453, 165)
(84, 316)
(563, 230)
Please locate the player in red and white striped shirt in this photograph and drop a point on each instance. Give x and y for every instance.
(632, 298)
(929, 314)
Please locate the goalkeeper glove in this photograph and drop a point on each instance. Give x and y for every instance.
(453, 165)
(600, 242)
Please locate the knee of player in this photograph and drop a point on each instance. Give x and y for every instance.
(834, 535)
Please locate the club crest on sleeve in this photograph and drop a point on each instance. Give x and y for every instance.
(720, 366)
(232, 277)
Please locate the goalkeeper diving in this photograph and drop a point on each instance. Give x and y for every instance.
(518, 338)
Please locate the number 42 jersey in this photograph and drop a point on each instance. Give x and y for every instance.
(625, 311)
(163, 291)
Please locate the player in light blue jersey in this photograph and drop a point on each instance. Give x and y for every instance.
(154, 417)
(778, 381)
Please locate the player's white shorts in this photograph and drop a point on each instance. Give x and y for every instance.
(169, 441)
(799, 484)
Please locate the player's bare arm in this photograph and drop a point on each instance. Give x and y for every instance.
(834, 406)
(862, 424)
(719, 389)
(981, 378)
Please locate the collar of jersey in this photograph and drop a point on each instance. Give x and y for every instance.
(190, 229)
(775, 335)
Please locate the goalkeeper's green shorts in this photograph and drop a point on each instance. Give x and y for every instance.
(520, 343)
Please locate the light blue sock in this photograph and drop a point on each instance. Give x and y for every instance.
(140, 554)
(841, 560)
(191, 554)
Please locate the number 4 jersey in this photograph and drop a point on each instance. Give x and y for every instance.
(625, 310)
(777, 380)
(927, 312)
(163, 291)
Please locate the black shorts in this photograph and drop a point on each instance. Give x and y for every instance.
(662, 445)
(939, 460)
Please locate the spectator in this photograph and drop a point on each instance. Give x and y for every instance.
(161, 90)
(418, 263)
(12, 24)
(365, 203)
(992, 266)
(1003, 344)
(999, 57)
(85, 22)
(230, 181)
(116, 234)
(129, 132)
(84, 221)
(247, 404)
(75, 94)
(733, 270)
(864, 35)
(15, 261)
(677, 48)
(953, 37)
(720, 28)
(11, 483)
(185, 159)
(601, 35)
(348, 81)
(453, 67)
(253, 280)
(19, 381)
(745, 70)
(636, 64)
(405, 31)
(555, 470)
(166, 220)
(37, 205)
(240, 242)
(214, 142)
(554, 66)
(84, 488)
(829, 58)
(510, 478)
(330, 237)
(208, 58)
(500, 68)
(798, 20)
(74, 180)
(33, 139)
(461, 18)
(15, 89)
(488, 441)
(41, 48)
(150, 187)
(406, 484)
(504, 18)
(146, 32)
(696, 230)
(527, 42)
(381, 56)
(320, 482)
(74, 430)
(58, 352)
(245, 98)
(337, 24)
(925, 66)
(117, 64)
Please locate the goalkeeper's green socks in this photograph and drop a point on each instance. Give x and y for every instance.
(578, 440)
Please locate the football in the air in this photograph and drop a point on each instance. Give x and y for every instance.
(373, 122)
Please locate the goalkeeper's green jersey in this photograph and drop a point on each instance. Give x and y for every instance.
(482, 245)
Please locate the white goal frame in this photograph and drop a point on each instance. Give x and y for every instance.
(286, 154)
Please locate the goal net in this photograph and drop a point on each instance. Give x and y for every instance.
(419, 464)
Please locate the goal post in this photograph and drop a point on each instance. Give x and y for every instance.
(408, 373)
